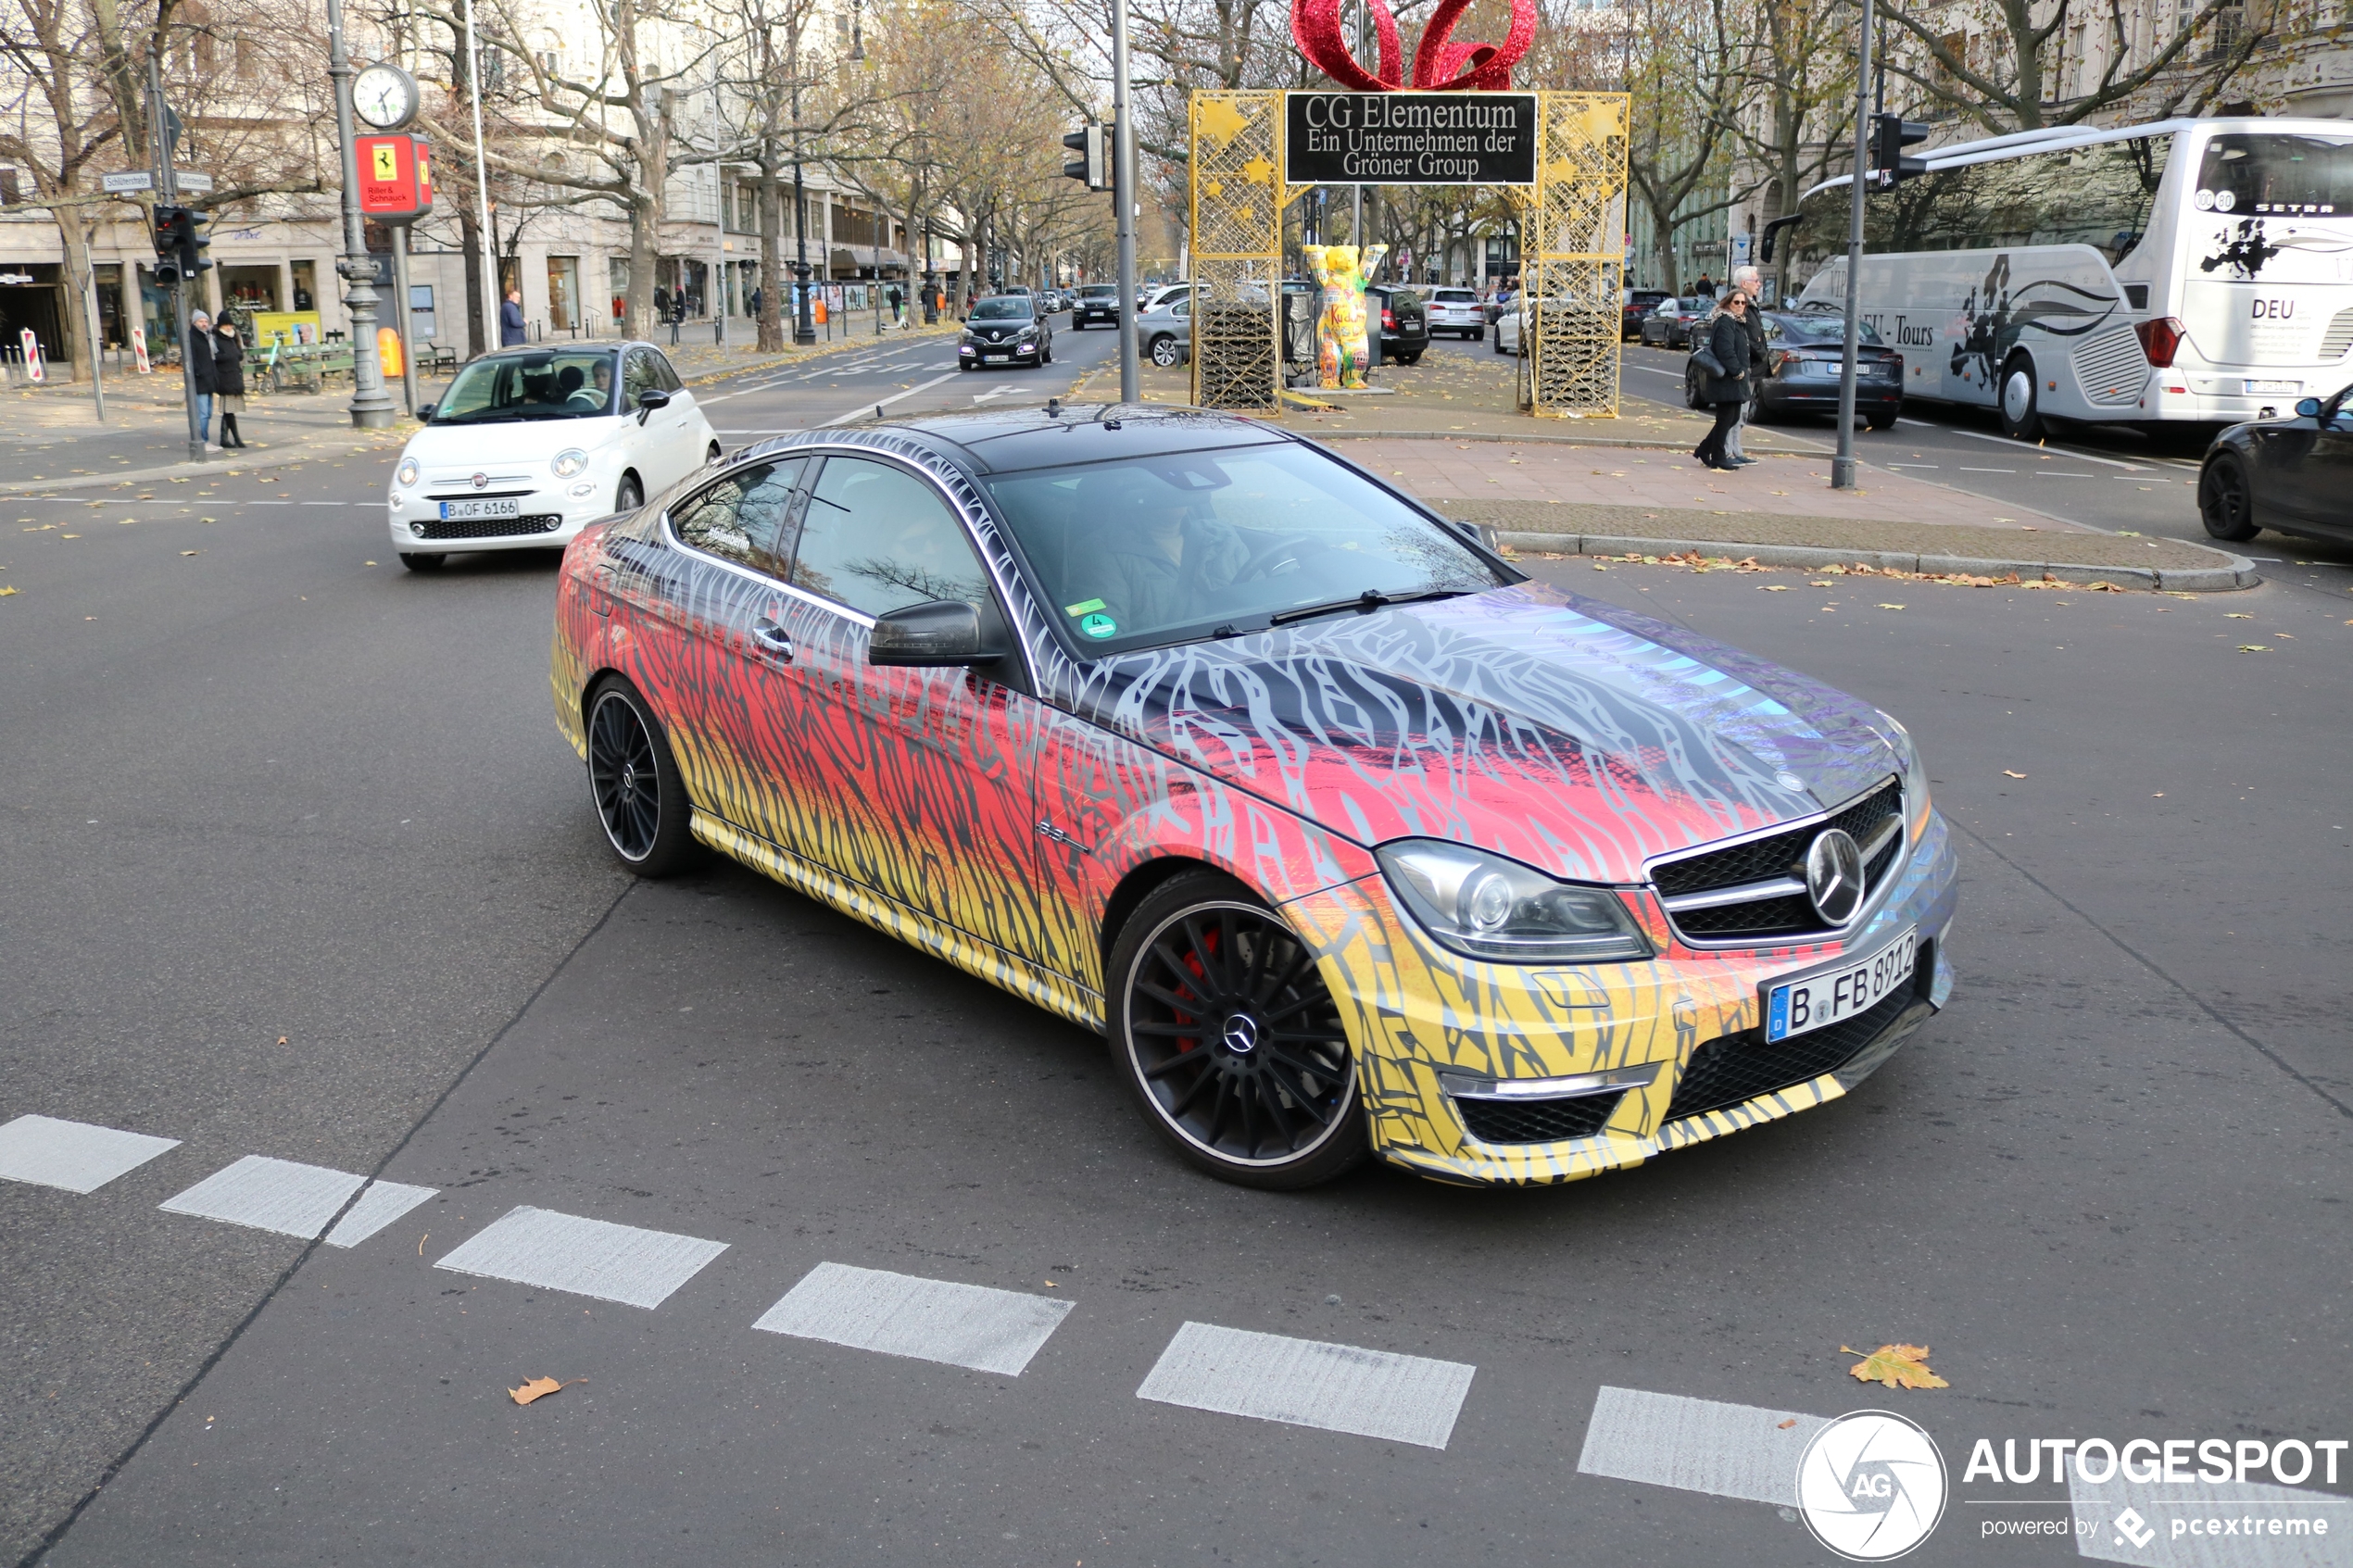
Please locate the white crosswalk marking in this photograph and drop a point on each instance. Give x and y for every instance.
(636, 1268)
(269, 1195)
(74, 1155)
(1304, 1382)
(932, 1320)
(377, 1207)
(1697, 1445)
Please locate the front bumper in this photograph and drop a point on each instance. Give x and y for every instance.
(548, 518)
(1424, 1020)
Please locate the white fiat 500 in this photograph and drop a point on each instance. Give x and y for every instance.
(528, 444)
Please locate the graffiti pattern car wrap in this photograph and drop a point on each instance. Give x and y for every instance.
(1003, 824)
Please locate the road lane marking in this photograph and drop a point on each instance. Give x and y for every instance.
(859, 411)
(73, 1155)
(1304, 1382)
(1697, 1445)
(636, 1268)
(931, 1319)
(1967, 470)
(1911, 465)
(2029, 447)
(267, 1194)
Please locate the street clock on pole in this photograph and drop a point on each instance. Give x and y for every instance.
(385, 96)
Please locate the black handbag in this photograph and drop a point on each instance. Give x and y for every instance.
(1704, 357)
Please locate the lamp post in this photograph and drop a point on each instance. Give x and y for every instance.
(804, 326)
(1124, 195)
(1843, 464)
(371, 404)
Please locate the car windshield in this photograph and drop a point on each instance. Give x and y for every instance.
(1170, 549)
(1006, 307)
(2266, 173)
(1099, 291)
(549, 384)
(1817, 329)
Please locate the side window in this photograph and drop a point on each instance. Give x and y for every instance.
(742, 518)
(664, 377)
(877, 538)
(638, 376)
(1184, 309)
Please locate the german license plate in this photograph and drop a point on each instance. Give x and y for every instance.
(2276, 386)
(996, 358)
(1831, 995)
(507, 505)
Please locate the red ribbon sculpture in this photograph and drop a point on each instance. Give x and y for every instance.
(1440, 64)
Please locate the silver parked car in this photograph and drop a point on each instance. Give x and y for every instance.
(1458, 311)
(1165, 332)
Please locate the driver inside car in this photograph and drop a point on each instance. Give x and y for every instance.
(1154, 559)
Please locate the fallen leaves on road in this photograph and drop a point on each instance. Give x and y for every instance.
(540, 1388)
(2253, 647)
(6, 593)
(1786, 1425)
(2008, 774)
(1898, 1366)
(2234, 615)
(191, 552)
(1772, 587)
(1891, 607)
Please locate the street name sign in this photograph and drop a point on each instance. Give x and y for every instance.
(1409, 138)
(132, 180)
(190, 180)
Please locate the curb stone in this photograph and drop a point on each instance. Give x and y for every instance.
(2239, 572)
(338, 446)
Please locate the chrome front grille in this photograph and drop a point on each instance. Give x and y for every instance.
(1753, 890)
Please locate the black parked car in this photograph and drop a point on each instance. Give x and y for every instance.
(1802, 355)
(1005, 328)
(2290, 475)
(1639, 303)
(1668, 323)
(1095, 301)
(1405, 321)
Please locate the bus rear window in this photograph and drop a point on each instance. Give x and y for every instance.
(2261, 174)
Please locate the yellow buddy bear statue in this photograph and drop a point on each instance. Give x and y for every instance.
(1340, 348)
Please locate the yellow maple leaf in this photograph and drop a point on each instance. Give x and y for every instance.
(1898, 1366)
(537, 1388)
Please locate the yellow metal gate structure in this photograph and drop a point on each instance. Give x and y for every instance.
(1572, 255)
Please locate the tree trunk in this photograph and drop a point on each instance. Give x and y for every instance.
(73, 322)
(771, 269)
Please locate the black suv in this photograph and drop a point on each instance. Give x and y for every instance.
(1095, 301)
(1404, 322)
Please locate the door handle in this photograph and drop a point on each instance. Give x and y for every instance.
(771, 637)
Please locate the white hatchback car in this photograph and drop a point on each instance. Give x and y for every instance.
(1458, 311)
(530, 445)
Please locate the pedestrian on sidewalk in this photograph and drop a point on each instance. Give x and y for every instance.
(201, 376)
(896, 299)
(1750, 285)
(510, 326)
(1727, 386)
(228, 380)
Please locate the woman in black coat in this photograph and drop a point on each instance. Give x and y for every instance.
(228, 380)
(1727, 341)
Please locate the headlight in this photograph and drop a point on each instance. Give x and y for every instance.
(405, 474)
(569, 461)
(1907, 757)
(1483, 906)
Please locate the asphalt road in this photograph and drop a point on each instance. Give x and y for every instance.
(293, 864)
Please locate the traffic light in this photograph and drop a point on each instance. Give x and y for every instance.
(193, 244)
(1890, 133)
(168, 245)
(1092, 166)
(178, 246)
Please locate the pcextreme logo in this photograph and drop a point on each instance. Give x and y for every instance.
(1871, 1485)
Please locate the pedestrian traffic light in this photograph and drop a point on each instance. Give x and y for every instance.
(1092, 166)
(1890, 133)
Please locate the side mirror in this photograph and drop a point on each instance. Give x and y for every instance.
(648, 400)
(943, 633)
(425, 412)
(2307, 408)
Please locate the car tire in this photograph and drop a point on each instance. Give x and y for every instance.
(631, 496)
(424, 561)
(1499, 340)
(1413, 358)
(711, 459)
(2225, 503)
(1198, 976)
(2016, 401)
(1881, 421)
(634, 784)
(1163, 351)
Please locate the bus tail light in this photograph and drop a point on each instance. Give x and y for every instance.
(2160, 340)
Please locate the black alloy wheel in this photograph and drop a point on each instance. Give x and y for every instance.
(640, 800)
(2223, 502)
(1233, 1046)
(632, 495)
(423, 560)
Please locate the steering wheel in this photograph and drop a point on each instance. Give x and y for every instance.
(1258, 565)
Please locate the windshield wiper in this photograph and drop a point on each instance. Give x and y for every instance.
(485, 417)
(1366, 602)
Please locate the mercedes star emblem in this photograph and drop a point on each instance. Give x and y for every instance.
(1834, 875)
(1241, 1033)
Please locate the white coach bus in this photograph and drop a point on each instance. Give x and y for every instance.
(2190, 271)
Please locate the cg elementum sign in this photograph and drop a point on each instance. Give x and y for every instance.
(1409, 139)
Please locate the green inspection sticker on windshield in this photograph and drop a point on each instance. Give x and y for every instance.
(1099, 625)
(1083, 609)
